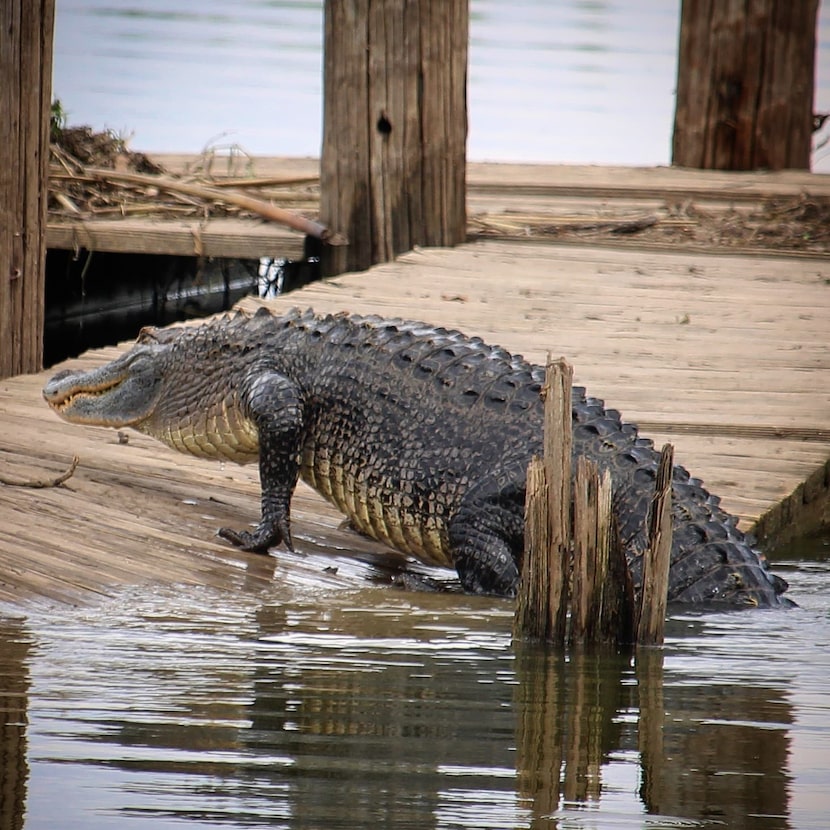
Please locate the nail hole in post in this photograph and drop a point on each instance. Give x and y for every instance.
(384, 126)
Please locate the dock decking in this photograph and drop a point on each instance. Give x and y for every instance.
(724, 354)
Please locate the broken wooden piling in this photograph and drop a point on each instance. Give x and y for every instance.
(541, 611)
(581, 566)
(651, 616)
(591, 548)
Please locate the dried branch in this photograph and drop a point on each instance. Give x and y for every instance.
(40, 483)
(242, 200)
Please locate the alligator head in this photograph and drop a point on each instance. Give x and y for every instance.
(170, 386)
(122, 393)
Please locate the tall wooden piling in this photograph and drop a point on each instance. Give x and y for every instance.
(393, 165)
(26, 28)
(745, 85)
(542, 604)
(558, 450)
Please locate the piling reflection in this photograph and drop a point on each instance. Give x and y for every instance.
(567, 724)
(14, 692)
(651, 726)
(722, 756)
(712, 752)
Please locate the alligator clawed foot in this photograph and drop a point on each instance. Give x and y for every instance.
(242, 539)
(264, 537)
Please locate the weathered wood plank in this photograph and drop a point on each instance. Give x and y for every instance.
(233, 238)
(595, 181)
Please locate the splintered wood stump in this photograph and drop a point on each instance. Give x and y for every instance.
(745, 85)
(652, 617)
(602, 598)
(591, 543)
(393, 165)
(542, 605)
(531, 618)
(25, 102)
(583, 568)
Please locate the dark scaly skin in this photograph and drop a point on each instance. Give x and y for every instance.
(420, 435)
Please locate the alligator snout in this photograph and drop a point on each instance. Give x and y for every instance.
(55, 389)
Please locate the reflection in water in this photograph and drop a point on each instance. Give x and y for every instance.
(722, 755)
(371, 707)
(14, 690)
(710, 764)
(567, 724)
(392, 718)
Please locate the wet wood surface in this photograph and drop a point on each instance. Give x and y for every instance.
(725, 356)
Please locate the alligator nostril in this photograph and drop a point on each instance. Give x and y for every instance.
(54, 386)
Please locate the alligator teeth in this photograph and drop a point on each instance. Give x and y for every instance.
(73, 397)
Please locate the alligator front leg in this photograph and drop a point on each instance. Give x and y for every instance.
(273, 403)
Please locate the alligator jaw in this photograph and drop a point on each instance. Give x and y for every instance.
(66, 392)
(118, 394)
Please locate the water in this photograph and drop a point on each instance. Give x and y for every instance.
(318, 704)
(574, 81)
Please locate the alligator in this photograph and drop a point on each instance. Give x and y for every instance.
(420, 435)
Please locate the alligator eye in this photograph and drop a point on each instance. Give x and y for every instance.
(139, 359)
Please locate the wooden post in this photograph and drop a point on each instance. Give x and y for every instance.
(602, 597)
(745, 85)
(542, 603)
(558, 448)
(26, 28)
(652, 617)
(588, 560)
(592, 544)
(531, 618)
(618, 612)
(393, 166)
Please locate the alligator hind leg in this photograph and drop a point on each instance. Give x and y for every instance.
(483, 539)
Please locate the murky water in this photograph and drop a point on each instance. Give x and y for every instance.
(315, 705)
(575, 81)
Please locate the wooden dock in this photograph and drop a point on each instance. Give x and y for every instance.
(725, 354)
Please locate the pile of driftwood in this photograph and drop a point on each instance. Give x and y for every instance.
(800, 223)
(94, 175)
